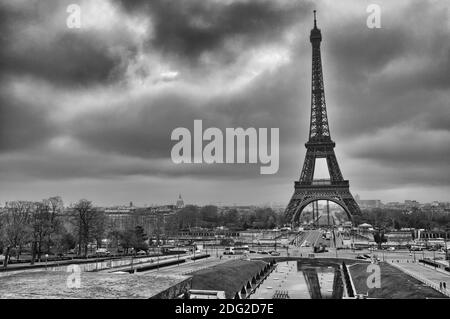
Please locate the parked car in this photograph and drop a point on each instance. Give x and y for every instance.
(102, 252)
(274, 253)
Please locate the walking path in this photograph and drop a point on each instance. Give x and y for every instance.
(185, 268)
(427, 275)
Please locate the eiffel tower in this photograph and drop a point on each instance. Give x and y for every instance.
(319, 145)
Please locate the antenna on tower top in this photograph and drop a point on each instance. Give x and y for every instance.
(315, 24)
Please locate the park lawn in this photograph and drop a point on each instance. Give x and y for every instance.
(395, 284)
(228, 277)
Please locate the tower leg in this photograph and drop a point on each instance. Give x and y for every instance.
(314, 215)
(328, 213)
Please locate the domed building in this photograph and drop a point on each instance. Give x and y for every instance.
(180, 202)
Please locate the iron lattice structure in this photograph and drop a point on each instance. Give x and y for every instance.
(320, 145)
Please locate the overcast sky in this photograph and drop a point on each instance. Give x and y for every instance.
(88, 113)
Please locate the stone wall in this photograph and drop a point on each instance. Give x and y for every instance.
(175, 291)
(108, 264)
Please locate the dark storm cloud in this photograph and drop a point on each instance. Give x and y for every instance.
(417, 30)
(405, 146)
(144, 127)
(75, 165)
(382, 176)
(356, 62)
(388, 76)
(22, 125)
(36, 42)
(187, 29)
(117, 92)
(71, 59)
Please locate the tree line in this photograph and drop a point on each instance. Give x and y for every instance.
(45, 227)
(34, 223)
(397, 219)
(210, 216)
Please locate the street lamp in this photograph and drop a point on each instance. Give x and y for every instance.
(132, 260)
(335, 246)
(447, 256)
(215, 244)
(434, 257)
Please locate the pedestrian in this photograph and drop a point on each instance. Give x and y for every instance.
(440, 285)
(444, 285)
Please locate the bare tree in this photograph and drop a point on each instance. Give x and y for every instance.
(44, 222)
(55, 207)
(87, 221)
(16, 226)
(38, 225)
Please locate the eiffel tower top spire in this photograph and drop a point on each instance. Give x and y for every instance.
(315, 22)
(319, 130)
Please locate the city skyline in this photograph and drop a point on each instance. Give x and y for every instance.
(102, 100)
(174, 201)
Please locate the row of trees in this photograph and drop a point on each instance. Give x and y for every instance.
(35, 223)
(397, 219)
(210, 217)
(45, 227)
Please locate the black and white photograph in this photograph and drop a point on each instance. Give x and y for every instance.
(241, 150)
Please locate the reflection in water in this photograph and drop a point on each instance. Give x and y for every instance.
(301, 280)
